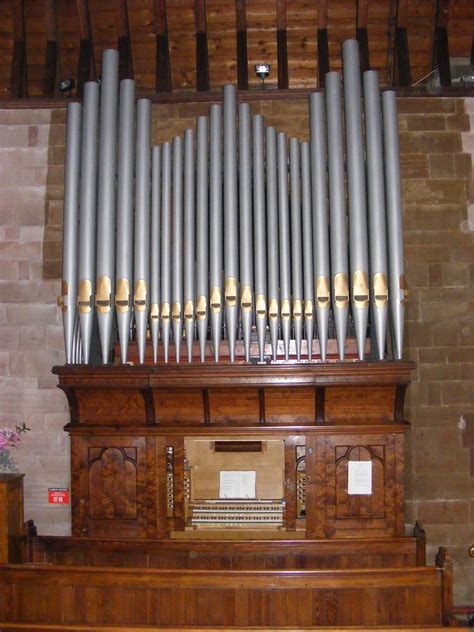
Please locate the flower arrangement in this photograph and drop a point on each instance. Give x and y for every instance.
(10, 439)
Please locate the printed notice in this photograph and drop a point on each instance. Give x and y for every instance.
(360, 477)
(237, 484)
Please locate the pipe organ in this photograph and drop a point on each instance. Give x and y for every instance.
(233, 232)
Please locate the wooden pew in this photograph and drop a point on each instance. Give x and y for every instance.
(221, 555)
(38, 593)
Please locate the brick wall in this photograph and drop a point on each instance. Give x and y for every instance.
(436, 140)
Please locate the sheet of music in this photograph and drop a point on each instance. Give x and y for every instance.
(237, 484)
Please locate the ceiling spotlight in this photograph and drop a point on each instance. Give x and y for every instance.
(262, 71)
(66, 85)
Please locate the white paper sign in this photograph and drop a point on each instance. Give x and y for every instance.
(360, 477)
(237, 484)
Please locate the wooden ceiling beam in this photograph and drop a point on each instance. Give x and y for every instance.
(202, 50)
(322, 42)
(163, 64)
(51, 71)
(440, 48)
(361, 33)
(124, 43)
(18, 71)
(86, 68)
(398, 56)
(282, 46)
(242, 56)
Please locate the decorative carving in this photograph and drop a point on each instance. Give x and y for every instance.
(113, 482)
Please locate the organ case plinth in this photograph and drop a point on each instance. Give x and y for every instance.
(149, 444)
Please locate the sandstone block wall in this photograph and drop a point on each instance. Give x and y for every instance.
(437, 142)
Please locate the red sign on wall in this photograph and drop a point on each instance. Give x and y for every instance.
(58, 496)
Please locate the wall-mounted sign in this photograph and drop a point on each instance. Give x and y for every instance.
(58, 496)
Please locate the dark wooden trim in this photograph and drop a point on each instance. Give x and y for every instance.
(242, 55)
(363, 39)
(282, 46)
(163, 81)
(18, 83)
(125, 58)
(50, 69)
(86, 34)
(323, 56)
(442, 55)
(472, 50)
(261, 406)
(399, 402)
(83, 66)
(420, 535)
(282, 60)
(402, 57)
(206, 406)
(149, 404)
(319, 393)
(202, 49)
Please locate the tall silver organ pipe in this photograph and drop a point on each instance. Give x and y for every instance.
(177, 246)
(141, 292)
(296, 250)
(231, 219)
(231, 226)
(307, 236)
(246, 237)
(376, 207)
(284, 242)
(202, 233)
(106, 200)
(319, 193)
(356, 195)
(189, 241)
(165, 248)
(216, 299)
(338, 227)
(272, 239)
(398, 292)
(67, 300)
(125, 228)
(260, 246)
(88, 215)
(155, 250)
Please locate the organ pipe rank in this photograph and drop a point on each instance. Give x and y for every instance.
(233, 232)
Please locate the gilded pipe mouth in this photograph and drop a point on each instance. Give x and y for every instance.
(308, 310)
(165, 311)
(201, 307)
(360, 289)
(61, 300)
(140, 295)
(273, 309)
(176, 312)
(341, 290)
(103, 295)
(380, 289)
(188, 311)
(297, 309)
(230, 291)
(122, 295)
(321, 288)
(154, 311)
(260, 306)
(215, 300)
(246, 299)
(285, 309)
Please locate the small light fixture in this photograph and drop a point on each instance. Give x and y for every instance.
(262, 71)
(66, 85)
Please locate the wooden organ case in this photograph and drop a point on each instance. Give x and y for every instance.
(151, 445)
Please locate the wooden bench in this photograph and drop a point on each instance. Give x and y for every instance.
(221, 555)
(39, 593)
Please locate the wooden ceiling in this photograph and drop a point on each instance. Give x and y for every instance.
(183, 46)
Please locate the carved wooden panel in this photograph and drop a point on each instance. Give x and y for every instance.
(187, 408)
(366, 515)
(366, 403)
(113, 406)
(110, 495)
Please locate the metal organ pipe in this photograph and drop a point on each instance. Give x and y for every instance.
(398, 292)
(230, 218)
(88, 215)
(106, 200)
(67, 300)
(125, 228)
(376, 207)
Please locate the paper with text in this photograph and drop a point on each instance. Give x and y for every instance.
(237, 484)
(359, 477)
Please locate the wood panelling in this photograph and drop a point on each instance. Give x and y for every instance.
(243, 598)
(165, 58)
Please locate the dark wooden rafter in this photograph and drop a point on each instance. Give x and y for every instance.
(282, 46)
(242, 56)
(51, 71)
(361, 33)
(86, 68)
(440, 48)
(124, 44)
(472, 50)
(323, 43)
(398, 57)
(18, 74)
(202, 51)
(163, 64)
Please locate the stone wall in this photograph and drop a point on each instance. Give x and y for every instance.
(436, 143)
